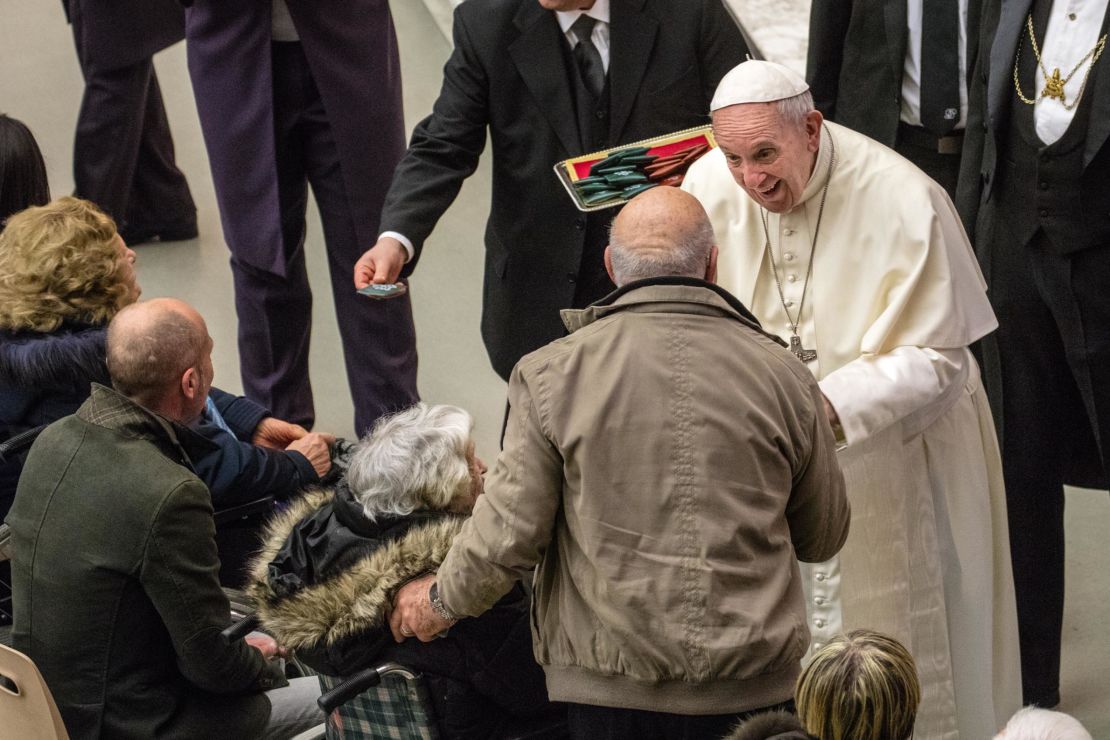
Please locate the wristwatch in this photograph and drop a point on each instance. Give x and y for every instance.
(437, 604)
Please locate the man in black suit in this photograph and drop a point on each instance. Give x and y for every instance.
(1035, 195)
(889, 70)
(547, 85)
(123, 158)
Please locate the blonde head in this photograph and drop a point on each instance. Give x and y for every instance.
(861, 686)
(61, 262)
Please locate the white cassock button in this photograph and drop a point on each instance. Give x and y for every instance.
(788, 303)
(819, 600)
(820, 576)
(818, 645)
(789, 256)
(791, 278)
(788, 232)
(819, 622)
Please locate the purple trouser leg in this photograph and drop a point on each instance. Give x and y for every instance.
(275, 313)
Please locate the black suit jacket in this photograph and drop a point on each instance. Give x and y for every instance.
(507, 76)
(990, 95)
(857, 51)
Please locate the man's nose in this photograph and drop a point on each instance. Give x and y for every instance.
(753, 175)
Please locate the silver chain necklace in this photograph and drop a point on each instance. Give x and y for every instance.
(805, 355)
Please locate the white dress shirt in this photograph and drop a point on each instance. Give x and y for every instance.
(281, 23)
(911, 70)
(566, 19)
(600, 35)
(1073, 30)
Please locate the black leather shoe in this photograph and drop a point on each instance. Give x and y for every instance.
(135, 235)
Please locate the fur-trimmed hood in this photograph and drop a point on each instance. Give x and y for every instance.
(770, 726)
(67, 358)
(355, 599)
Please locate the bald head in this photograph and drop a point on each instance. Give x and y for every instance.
(159, 355)
(661, 232)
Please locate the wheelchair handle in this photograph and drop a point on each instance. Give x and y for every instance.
(356, 684)
(238, 630)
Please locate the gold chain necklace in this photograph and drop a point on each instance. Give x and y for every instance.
(1054, 84)
(805, 355)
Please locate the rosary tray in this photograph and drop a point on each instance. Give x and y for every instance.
(612, 177)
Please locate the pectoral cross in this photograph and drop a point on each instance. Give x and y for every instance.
(1054, 86)
(805, 355)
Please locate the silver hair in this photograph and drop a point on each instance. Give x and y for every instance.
(1032, 723)
(793, 110)
(686, 257)
(414, 459)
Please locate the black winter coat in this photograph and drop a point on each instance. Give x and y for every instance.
(326, 577)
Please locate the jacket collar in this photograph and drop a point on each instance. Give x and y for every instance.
(112, 410)
(353, 601)
(672, 290)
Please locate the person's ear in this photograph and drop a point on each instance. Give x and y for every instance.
(190, 383)
(814, 120)
(711, 268)
(609, 264)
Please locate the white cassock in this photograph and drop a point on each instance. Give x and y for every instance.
(894, 299)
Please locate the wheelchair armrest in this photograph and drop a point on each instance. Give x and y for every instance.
(5, 542)
(241, 511)
(356, 684)
(19, 443)
(238, 630)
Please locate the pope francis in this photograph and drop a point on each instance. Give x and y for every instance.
(858, 260)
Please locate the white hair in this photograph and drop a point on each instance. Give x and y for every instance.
(1033, 723)
(793, 110)
(414, 459)
(685, 257)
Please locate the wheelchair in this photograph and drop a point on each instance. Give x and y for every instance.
(389, 700)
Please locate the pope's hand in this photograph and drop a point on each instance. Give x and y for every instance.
(413, 615)
(381, 264)
(830, 412)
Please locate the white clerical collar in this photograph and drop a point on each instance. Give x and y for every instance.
(600, 11)
(820, 170)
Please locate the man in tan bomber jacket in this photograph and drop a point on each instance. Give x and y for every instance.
(665, 466)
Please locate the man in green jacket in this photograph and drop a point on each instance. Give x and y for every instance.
(664, 468)
(114, 571)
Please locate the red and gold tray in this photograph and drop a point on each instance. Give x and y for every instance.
(662, 160)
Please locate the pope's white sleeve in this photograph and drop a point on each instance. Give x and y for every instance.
(875, 391)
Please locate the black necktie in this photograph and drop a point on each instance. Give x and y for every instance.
(940, 65)
(587, 56)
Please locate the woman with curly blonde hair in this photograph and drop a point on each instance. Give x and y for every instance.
(64, 273)
(63, 263)
(860, 686)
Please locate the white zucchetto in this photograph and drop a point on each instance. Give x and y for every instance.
(757, 81)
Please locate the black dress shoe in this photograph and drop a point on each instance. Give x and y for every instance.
(1042, 700)
(135, 235)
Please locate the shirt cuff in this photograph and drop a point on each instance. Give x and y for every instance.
(405, 242)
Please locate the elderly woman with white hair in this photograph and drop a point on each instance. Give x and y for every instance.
(324, 581)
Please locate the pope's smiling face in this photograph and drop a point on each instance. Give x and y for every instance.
(769, 157)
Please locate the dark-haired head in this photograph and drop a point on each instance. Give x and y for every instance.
(22, 170)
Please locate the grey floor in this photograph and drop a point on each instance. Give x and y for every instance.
(40, 84)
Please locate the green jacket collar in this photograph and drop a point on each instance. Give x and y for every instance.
(112, 410)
